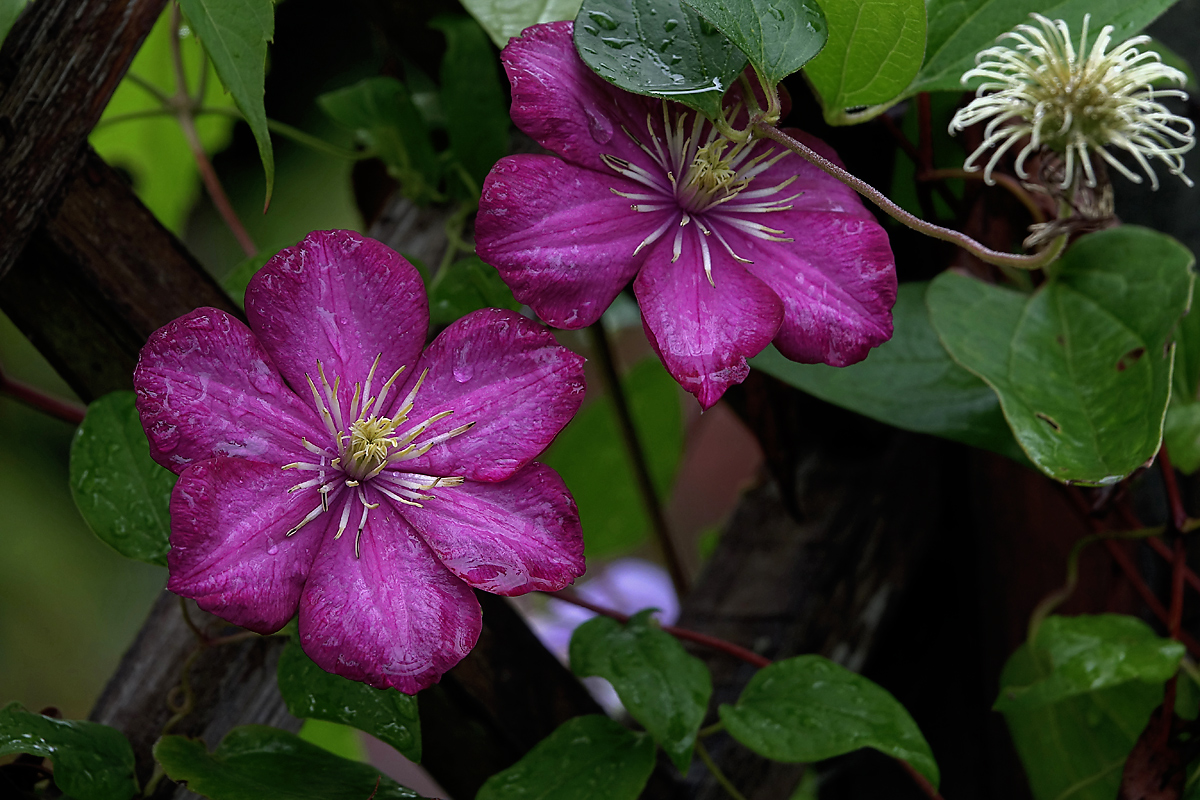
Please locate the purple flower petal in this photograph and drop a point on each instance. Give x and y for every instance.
(508, 538)
(506, 376)
(343, 299)
(391, 617)
(837, 290)
(562, 241)
(567, 108)
(705, 333)
(229, 545)
(206, 387)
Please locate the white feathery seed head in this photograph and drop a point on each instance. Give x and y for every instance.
(1075, 102)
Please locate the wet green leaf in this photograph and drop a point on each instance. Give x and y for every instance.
(254, 762)
(909, 381)
(91, 761)
(874, 50)
(1090, 652)
(590, 456)
(808, 708)
(658, 48)
(777, 36)
(472, 99)
(1082, 366)
(235, 34)
(660, 684)
(121, 493)
(1075, 748)
(586, 758)
(382, 113)
(312, 693)
(504, 19)
(467, 285)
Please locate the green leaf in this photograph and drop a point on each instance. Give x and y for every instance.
(312, 693)
(121, 493)
(504, 19)
(777, 36)
(1091, 652)
(152, 151)
(9, 11)
(381, 111)
(91, 761)
(909, 381)
(874, 51)
(808, 709)
(467, 285)
(1076, 748)
(1181, 434)
(586, 758)
(958, 29)
(235, 34)
(660, 684)
(1082, 367)
(591, 458)
(658, 48)
(255, 762)
(473, 99)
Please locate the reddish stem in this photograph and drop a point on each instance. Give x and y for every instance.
(184, 107)
(1131, 572)
(39, 400)
(728, 648)
(1178, 512)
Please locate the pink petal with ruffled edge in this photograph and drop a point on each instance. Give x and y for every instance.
(229, 545)
(392, 617)
(562, 241)
(512, 537)
(341, 298)
(837, 283)
(506, 376)
(702, 333)
(205, 387)
(567, 108)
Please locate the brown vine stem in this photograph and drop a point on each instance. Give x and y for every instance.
(729, 648)
(40, 401)
(1034, 261)
(1159, 546)
(185, 107)
(1178, 512)
(637, 456)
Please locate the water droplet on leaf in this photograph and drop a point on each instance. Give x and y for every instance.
(603, 20)
(670, 24)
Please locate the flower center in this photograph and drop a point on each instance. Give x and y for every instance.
(701, 173)
(370, 449)
(711, 178)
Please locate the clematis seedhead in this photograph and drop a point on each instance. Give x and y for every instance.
(332, 467)
(730, 246)
(1041, 91)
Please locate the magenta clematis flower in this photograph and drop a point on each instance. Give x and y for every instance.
(327, 465)
(733, 246)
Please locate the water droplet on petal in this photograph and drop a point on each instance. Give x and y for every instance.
(272, 550)
(599, 125)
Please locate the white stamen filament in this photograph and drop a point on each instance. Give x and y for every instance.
(716, 174)
(367, 448)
